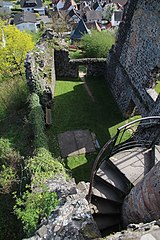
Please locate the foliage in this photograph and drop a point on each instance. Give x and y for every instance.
(14, 47)
(35, 35)
(75, 54)
(9, 160)
(97, 44)
(37, 121)
(33, 207)
(43, 166)
(108, 11)
(7, 178)
(59, 24)
(13, 95)
(37, 202)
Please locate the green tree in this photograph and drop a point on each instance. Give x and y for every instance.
(97, 44)
(13, 49)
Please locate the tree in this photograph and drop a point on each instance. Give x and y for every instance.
(108, 11)
(13, 52)
(97, 44)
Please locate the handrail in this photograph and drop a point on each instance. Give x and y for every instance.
(112, 143)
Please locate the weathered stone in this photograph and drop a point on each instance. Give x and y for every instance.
(147, 231)
(72, 219)
(132, 64)
(42, 231)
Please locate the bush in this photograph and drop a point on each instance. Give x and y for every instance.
(33, 207)
(37, 121)
(9, 161)
(13, 95)
(97, 44)
(37, 202)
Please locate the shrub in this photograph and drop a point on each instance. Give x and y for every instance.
(37, 121)
(37, 202)
(9, 161)
(97, 44)
(43, 166)
(33, 207)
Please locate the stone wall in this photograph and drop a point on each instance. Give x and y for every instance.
(148, 231)
(40, 72)
(65, 67)
(134, 57)
(72, 219)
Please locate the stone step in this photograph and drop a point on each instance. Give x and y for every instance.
(105, 190)
(105, 206)
(110, 173)
(105, 221)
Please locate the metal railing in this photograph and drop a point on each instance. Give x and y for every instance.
(142, 132)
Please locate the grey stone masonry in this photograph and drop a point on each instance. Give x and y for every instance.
(72, 220)
(135, 56)
(65, 67)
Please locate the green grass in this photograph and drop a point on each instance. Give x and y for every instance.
(74, 109)
(81, 166)
(157, 88)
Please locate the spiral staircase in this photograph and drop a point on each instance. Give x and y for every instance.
(121, 163)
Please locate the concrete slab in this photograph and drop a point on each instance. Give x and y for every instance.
(75, 142)
(84, 141)
(67, 144)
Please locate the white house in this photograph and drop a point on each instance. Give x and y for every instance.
(30, 5)
(26, 21)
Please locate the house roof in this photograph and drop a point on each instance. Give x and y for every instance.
(24, 17)
(73, 13)
(80, 29)
(69, 3)
(94, 15)
(31, 3)
(122, 2)
(93, 25)
(95, 5)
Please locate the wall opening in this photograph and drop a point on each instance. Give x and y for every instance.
(82, 71)
(131, 110)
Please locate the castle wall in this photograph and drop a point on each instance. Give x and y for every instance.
(135, 55)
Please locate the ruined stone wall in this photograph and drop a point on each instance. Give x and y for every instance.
(135, 55)
(64, 67)
(72, 220)
(40, 72)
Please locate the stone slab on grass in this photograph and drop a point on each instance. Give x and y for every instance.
(75, 142)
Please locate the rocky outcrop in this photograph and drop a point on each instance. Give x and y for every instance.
(72, 219)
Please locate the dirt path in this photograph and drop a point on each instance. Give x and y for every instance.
(82, 76)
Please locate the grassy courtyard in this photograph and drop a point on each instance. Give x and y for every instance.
(73, 109)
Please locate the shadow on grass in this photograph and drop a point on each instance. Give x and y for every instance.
(74, 109)
(81, 166)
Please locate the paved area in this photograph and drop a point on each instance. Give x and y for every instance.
(76, 142)
(131, 162)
